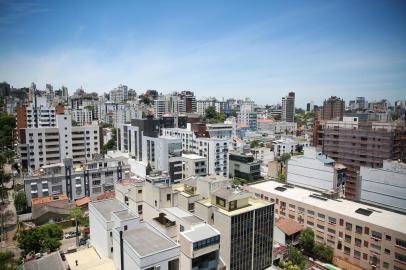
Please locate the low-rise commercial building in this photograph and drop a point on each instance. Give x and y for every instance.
(363, 237)
(244, 166)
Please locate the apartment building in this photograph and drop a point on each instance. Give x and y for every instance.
(385, 187)
(288, 145)
(82, 116)
(50, 145)
(288, 107)
(333, 109)
(164, 154)
(118, 233)
(362, 236)
(244, 166)
(193, 165)
(171, 103)
(76, 181)
(356, 143)
(316, 171)
(271, 126)
(245, 225)
(209, 141)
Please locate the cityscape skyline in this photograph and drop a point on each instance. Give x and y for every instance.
(266, 49)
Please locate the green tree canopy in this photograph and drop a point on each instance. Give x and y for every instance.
(296, 257)
(306, 240)
(211, 112)
(20, 202)
(7, 261)
(40, 239)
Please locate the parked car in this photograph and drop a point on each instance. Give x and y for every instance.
(71, 235)
(83, 240)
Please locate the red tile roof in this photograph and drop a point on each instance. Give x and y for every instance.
(288, 226)
(48, 199)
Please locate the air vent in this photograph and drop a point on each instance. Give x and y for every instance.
(363, 211)
(281, 189)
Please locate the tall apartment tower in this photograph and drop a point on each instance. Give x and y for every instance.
(333, 109)
(288, 107)
(189, 100)
(356, 143)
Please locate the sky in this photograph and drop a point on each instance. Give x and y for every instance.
(257, 49)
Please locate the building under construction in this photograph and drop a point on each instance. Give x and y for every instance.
(356, 143)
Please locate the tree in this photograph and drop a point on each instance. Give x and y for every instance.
(40, 239)
(296, 257)
(211, 112)
(7, 261)
(323, 252)
(148, 169)
(7, 124)
(74, 123)
(234, 113)
(77, 215)
(285, 157)
(20, 202)
(254, 144)
(306, 240)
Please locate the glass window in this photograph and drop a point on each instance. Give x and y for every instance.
(332, 220)
(310, 212)
(376, 234)
(320, 215)
(348, 226)
(400, 257)
(400, 243)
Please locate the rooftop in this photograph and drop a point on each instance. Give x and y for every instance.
(106, 207)
(48, 199)
(288, 226)
(200, 232)
(87, 259)
(53, 259)
(125, 215)
(375, 215)
(146, 240)
(181, 214)
(192, 156)
(231, 194)
(253, 204)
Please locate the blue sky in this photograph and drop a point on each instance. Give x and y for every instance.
(259, 49)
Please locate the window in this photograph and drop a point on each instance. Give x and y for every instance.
(348, 238)
(310, 212)
(168, 197)
(387, 251)
(111, 234)
(357, 254)
(233, 205)
(400, 243)
(365, 256)
(320, 226)
(125, 227)
(332, 220)
(301, 209)
(376, 234)
(111, 249)
(310, 223)
(140, 191)
(388, 238)
(320, 215)
(292, 206)
(348, 226)
(366, 243)
(358, 229)
(341, 222)
(358, 242)
(377, 247)
(347, 250)
(400, 257)
(331, 231)
(291, 216)
(385, 265)
(181, 228)
(220, 201)
(366, 230)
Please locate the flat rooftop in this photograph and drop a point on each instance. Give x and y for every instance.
(200, 232)
(125, 215)
(377, 216)
(106, 207)
(182, 214)
(192, 156)
(88, 259)
(253, 204)
(146, 240)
